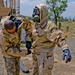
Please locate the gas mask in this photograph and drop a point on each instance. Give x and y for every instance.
(36, 15)
(16, 21)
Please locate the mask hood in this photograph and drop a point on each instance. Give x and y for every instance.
(43, 12)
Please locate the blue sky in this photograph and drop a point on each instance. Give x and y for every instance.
(28, 5)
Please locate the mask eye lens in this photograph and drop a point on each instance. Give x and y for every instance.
(36, 11)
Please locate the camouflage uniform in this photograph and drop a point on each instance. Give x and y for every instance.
(43, 44)
(10, 47)
(28, 37)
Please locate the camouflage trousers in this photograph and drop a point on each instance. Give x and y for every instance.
(12, 66)
(42, 64)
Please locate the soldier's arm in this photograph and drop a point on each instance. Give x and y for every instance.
(27, 24)
(56, 35)
(61, 41)
(4, 43)
(8, 49)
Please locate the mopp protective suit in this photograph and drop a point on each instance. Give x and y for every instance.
(45, 37)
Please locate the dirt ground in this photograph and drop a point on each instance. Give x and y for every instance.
(60, 67)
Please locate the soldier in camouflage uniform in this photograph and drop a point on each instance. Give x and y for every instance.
(10, 39)
(45, 37)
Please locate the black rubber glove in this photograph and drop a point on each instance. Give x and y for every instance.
(28, 46)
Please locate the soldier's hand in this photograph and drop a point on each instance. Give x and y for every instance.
(66, 55)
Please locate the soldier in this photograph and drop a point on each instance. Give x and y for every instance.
(10, 43)
(45, 37)
(27, 27)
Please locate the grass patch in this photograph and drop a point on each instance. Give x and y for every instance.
(70, 25)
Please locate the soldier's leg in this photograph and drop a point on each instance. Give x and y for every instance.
(35, 65)
(48, 71)
(10, 66)
(41, 63)
(24, 70)
(17, 65)
(48, 64)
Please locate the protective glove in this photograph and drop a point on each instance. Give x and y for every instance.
(28, 51)
(66, 55)
(28, 46)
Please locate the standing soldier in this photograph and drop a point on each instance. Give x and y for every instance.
(10, 42)
(46, 36)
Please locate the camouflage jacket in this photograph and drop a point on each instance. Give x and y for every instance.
(10, 43)
(51, 36)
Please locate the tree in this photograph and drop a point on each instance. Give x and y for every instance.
(56, 8)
